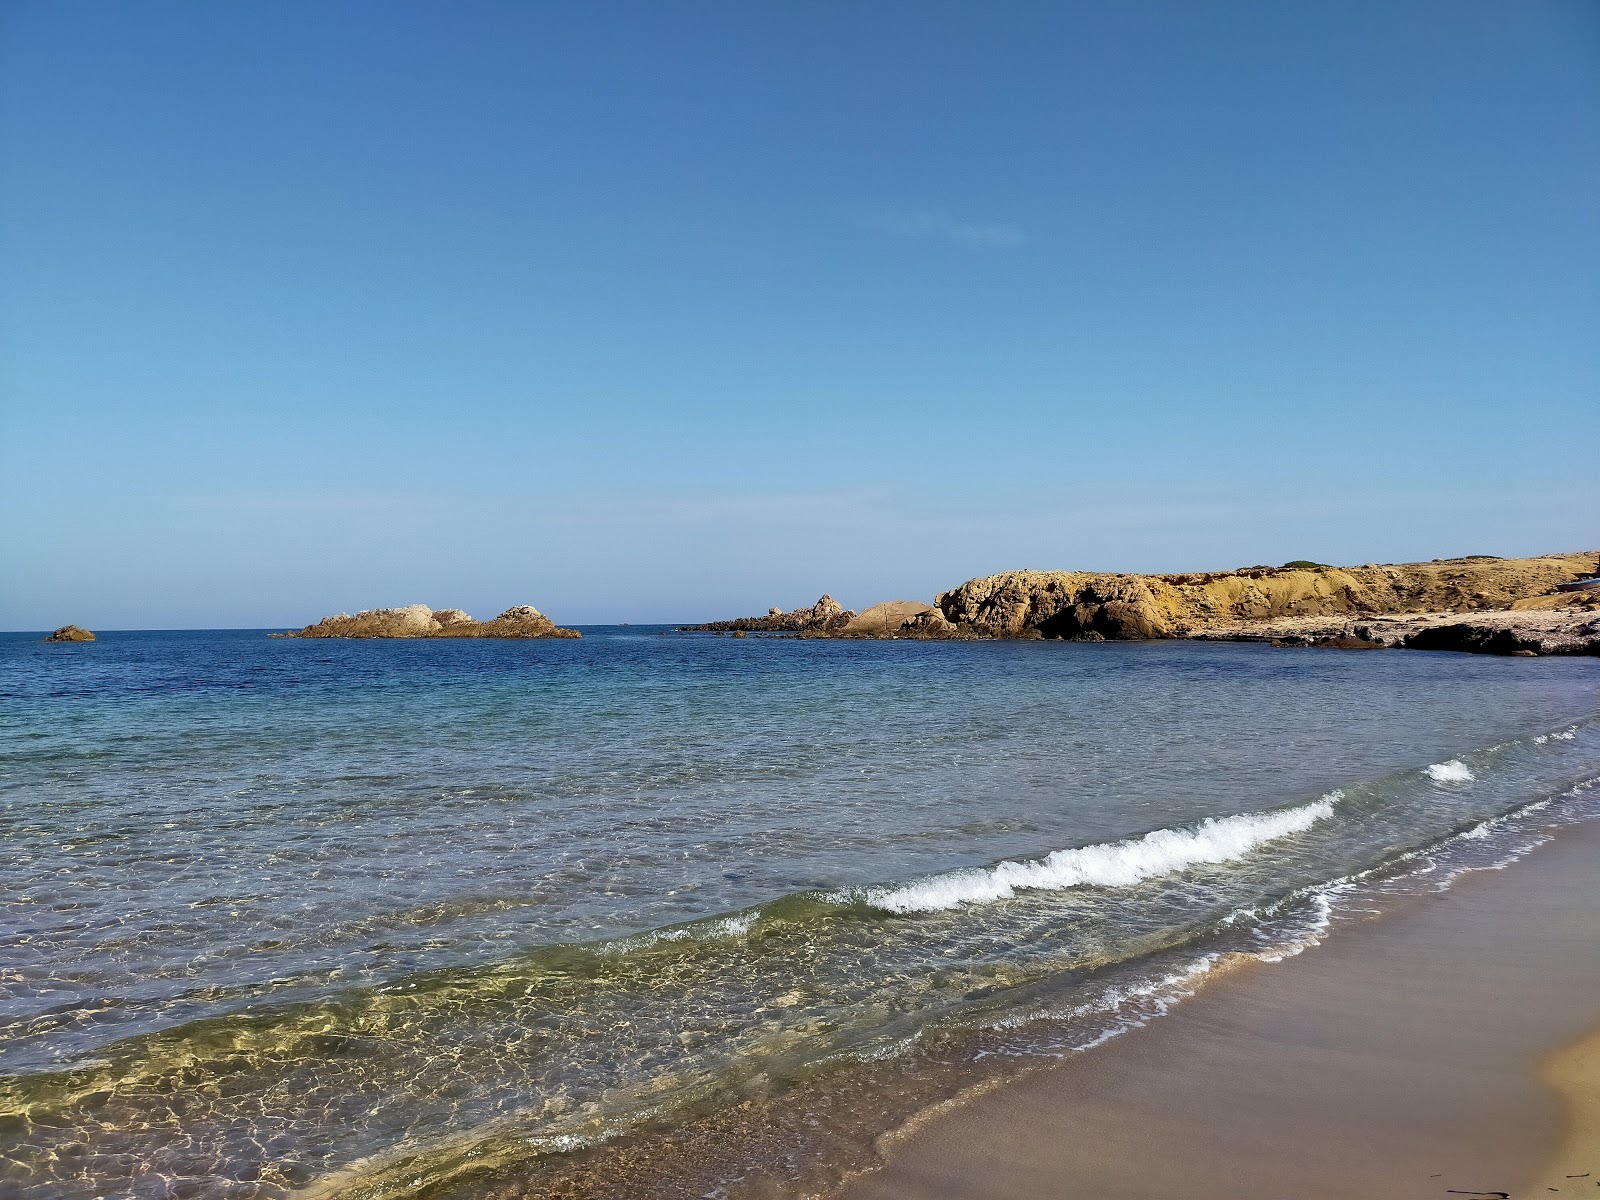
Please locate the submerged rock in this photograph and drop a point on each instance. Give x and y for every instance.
(421, 621)
(70, 633)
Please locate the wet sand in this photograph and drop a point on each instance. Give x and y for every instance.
(1450, 1046)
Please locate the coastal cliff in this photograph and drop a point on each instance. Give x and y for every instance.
(420, 621)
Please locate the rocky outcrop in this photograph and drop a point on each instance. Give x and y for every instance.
(885, 619)
(827, 615)
(1062, 604)
(1481, 604)
(1472, 638)
(1528, 629)
(420, 621)
(1065, 604)
(933, 625)
(70, 633)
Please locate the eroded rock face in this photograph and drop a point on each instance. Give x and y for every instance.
(885, 620)
(70, 633)
(1473, 639)
(827, 615)
(1068, 604)
(1062, 604)
(1479, 604)
(421, 621)
(931, 625)
(1518, 634)
(522, 612)
(522, 621)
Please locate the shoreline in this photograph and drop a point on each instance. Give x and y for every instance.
(1451, 1044)
(984, 1113)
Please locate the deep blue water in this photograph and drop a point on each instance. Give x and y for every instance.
(274, 910)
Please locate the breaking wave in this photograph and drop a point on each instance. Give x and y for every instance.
(1453, 771)
(1111, 864)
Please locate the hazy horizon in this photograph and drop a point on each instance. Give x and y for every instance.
(639, 313)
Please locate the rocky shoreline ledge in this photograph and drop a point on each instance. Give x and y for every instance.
(421, 621)
(1479, 604)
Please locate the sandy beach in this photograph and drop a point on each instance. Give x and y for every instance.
(1448, 1047)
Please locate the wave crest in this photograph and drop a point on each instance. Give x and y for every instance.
(1110, 864)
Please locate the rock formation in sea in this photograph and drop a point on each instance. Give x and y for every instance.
(825, 616)
(421, 621)
(1479, 603)
(885, 618)
(1073, 604)
(70, 633)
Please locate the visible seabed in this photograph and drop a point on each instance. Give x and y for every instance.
(654, 951)
(1394, 1051)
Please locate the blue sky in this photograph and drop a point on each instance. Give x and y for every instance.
(666, 311)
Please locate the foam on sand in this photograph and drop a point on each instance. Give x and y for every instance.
(1111, 864)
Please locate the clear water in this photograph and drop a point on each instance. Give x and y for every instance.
(283, 914)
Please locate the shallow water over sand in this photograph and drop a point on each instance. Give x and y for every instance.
(283, 914)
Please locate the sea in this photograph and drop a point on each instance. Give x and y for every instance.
(460, 918)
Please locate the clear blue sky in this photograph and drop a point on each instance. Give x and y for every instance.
(659, 311)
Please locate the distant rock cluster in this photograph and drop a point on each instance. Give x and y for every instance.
(421, 621)
(827, 615)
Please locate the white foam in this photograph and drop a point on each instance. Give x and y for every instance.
(1454, 771)
(1114, 864)
(1312, 935)
(1566, 735)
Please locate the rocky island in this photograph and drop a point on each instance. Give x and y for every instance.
(1479, 604)
(70, 633)
(421, 621)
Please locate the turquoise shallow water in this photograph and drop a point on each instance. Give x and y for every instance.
(279, 913)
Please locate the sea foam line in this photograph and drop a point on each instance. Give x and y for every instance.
(1110, 864)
